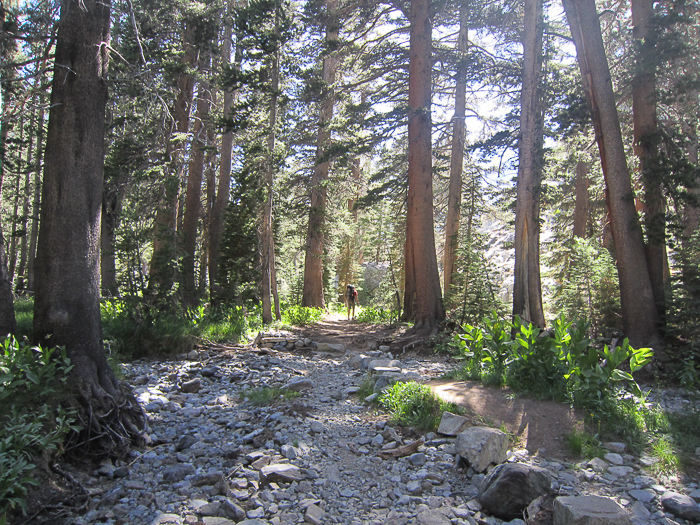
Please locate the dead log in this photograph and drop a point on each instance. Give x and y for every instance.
(400, 452)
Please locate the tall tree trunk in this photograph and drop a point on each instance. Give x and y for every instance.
(216, 226)
(639, 318)
(691, 218)
(454, 198)
(315, 244)
(8, 325)
(422, 296)
(21, 283)
(527, 289)
(581, 206)
(194, 194)
(267, 239)
(646, 149)
(162, 267)
(15, 210)
(37, 201)
(108, 265)
(67, 303)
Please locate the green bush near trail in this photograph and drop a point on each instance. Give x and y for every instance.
(33, 423)
(296, 315)
(414, 404)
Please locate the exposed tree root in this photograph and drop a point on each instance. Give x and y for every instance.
(109, 425)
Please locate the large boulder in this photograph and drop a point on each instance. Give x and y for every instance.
(511, 487)
(482, 446)
(681, 506)
(588, 510)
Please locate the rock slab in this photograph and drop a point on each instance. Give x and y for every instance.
(482, 446)
(452, 424)
(588, 510)
(511, 487)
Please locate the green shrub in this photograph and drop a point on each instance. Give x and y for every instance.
(374, 315)
(301, 315)
(584, 445)
(414, 404)
(561, 364)
(135, 329)
(32, 423)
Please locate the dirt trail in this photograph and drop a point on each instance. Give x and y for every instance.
(536, 424)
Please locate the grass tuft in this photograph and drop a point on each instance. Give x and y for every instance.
(267, 395)
(414, 404)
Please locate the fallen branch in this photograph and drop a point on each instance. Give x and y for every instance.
(400, 452)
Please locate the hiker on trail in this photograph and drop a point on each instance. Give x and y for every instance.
(351, 300)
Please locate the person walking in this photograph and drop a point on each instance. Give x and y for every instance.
(351, 299)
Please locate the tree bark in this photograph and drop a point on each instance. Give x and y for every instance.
(67, 303)
(162, 267)
(15, 211)
(216, 226)
(422, 296)
(646, 149)
(193, 198)
(21, 282)
(581, 206)
(37, 202)
(527, 288)
(267, 240)
(691, 218)
(8, 325)
(108, 265)
(315, 243)
(639, 317)
(454, 197)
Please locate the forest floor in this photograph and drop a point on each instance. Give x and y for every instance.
(536, 425)
(220, 454)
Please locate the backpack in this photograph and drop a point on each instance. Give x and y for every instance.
(351, 293)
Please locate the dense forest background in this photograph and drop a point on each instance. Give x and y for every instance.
(258, 160)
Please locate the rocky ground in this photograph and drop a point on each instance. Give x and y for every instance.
(214, 458)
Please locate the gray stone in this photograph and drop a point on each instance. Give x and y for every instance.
(382, 383)
(289, 452)
(347, 493)
(620, 471)
(191, 387)
(185, 442)
(618, 448)
(281, 472)
(598, 465)
(210, 509)
(167, 519)
(230, 509)
(193, 355)
(639, 511)
(695, 495)
(314, 514)
(333, 474)
(432, 517)
(615, 459)
(509, 488)
(482, 446)
(221, 521)
(211, 478)
(418, 459)
(177, 473)
(317, 427)
(414, 487)
(452, 424)
(255, 513)
(371, 398)
(588, 510)
(328, 347)
(255, 521)
(643, 495)
(681, 506)
(298, 385)
(384, 363)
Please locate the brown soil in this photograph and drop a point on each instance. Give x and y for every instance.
(536, 425)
